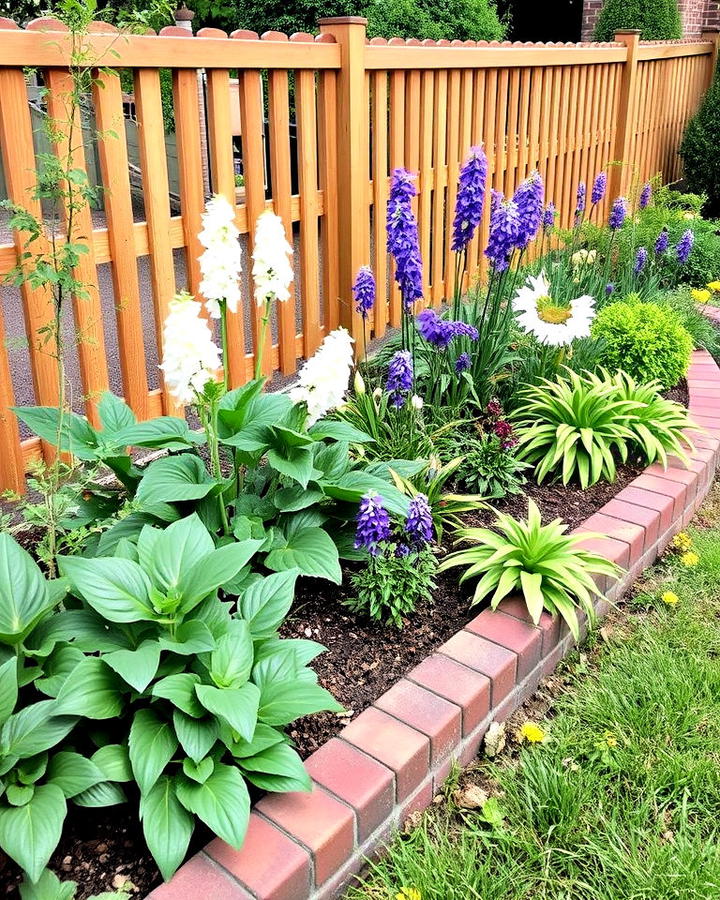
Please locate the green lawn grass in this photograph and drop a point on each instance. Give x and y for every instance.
(622, 799)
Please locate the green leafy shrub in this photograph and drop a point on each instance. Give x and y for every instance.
(539, 561)
(489, 466)
(475, 20)
(700, 151)
(658, 20)
(704, 335)
(644, 339)
(393, 584)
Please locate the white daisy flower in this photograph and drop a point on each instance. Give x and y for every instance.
(551, 322)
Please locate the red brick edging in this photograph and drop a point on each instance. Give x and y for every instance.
(391, 759)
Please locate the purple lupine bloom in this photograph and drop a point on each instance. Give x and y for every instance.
(462, 329)
(581, 199)
(419, 524)
(661, 244)
(373, 524)
(609, 289)
(548, 219)
(641, 258)
(529, 201)
(645, 196)
(684, 246)
(364, 291)
(435, 330)
(470, 198)
(618, 213)
(462, 363)
(599, 187)
(504, 232)
(400, 377)
(402, 236)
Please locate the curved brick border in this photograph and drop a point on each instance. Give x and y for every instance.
(394, 756)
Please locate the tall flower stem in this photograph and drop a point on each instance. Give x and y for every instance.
(209, 419)
(224, 342)
(261, 339)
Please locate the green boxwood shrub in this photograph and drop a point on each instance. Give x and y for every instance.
(473, 20)
(700, 148)
(646, 340)
(658, 20)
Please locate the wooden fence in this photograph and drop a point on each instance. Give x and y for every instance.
(359, 110)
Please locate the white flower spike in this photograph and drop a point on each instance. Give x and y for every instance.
(272, 268)
(190, 357)
(220, 264)
(325, 377)
(550, 322)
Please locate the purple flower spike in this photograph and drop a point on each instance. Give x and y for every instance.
(618, 213)
(581, 199)
(662, 242)
(364, 291)
(435, 330)
(599, 187)
(504, 232)
(645, 196)
(463, 362)
(609, 289)
(470, 198)
(419, 524)
(684, 246)
(400, 377)
(402, 236)
(641, 258)
(529, 201)
(548, 219)
(373, 524)
(462, 329)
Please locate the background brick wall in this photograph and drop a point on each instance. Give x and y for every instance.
(696, 15)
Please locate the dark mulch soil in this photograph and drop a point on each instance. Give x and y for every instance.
(364, 659)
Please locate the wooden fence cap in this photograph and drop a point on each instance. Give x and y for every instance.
(343, 20)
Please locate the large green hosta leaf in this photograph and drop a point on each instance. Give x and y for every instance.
(24, 595)
(30, 833)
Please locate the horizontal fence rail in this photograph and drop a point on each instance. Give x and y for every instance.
(315, 125)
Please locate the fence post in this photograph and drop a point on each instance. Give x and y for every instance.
(711, 34)
(626, 110)
(352, 164)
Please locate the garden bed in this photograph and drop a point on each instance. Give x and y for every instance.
(392, 758)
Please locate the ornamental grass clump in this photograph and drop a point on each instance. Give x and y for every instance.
(539, 561)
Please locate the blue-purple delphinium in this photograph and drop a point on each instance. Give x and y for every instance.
(529, 201)
(364, 291)
(402, 236)
(645, 196)
(641, 258)
(662, 242)
(470, 198)
(462, 363)
(618, 213)
(400, 377)
(419, 524)
(609, 289)
(599, 187)
(504, 232)
(440, 332)
(684, 246)
(581, 199)
(373, 524)
(548, 216)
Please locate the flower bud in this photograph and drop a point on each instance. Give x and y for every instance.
(358, 383)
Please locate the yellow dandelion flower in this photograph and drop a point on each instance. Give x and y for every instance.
(407, 893)
(609, 739)
(701, 295)
(682, 542)
(531, 733)
(714, 286)
(689, 559)
(670, 598)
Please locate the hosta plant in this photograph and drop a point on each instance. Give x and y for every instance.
(574, 426)
(539, 561)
